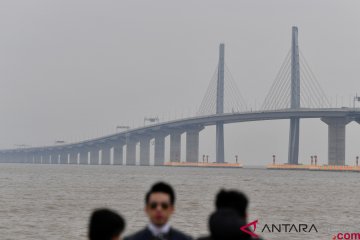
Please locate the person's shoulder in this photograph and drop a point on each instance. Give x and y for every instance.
(258, 238)
(178, 235)
(204, 238)
(139, 235)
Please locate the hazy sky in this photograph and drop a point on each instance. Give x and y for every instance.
(72, 70)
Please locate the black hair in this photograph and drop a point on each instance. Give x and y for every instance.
(161, 187)
(105, 224)
(225, 224)
(232, 199)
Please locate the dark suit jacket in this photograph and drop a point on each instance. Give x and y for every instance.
(145, 234)
(209, 238)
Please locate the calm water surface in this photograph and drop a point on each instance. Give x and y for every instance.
(54, 201)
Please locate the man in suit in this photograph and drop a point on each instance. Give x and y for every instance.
(159, 207)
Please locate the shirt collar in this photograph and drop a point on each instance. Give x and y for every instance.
(155, 230)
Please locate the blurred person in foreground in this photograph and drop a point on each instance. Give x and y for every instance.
(229, 217)
(105, 224)
(159, 207)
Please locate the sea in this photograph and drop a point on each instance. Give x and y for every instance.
(54, 202)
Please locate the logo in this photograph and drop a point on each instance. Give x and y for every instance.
(281, 228)
(245, 228)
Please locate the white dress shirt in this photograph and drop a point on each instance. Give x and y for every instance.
(156, 231)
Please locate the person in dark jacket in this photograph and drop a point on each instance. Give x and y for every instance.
(230, 215)
(225, 224)
(105, 224)
(159, 207)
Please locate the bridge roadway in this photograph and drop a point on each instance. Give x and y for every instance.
(109, 149)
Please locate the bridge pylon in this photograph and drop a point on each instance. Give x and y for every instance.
(220, 155)
(294, 134)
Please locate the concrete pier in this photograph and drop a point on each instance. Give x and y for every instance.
(94, 156)
(192, 144)
(159, 151)
(42, 157)
(36, 157)
(73, 156)
(84, 156)
(131, 151)
(48, 157)
(105, 155)
(64, 157)
(145, 151)
(336, 140)
(175, 145)
(118, 153)
(54, 158)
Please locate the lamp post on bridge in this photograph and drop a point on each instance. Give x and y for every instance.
(357, 160)
(21, 145)
(273, 156)
(151, 120)
(356, 99)
(312, 160)
(236, 158)
(122, 127)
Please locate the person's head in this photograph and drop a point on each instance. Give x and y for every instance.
(232, 199)
(160, 203)
(105, 225)
(225, 224)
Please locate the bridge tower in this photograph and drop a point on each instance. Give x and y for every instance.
(295, 100)
(220, 156)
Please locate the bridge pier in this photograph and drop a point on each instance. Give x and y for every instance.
(175, 145)
(84, 156)
(25, 157)
(13, 157)
(294, 135)
(336, 140)
(105, 155)
(64, 157)
(73, 156)
(37, 157)
(131, 151)
(94, 156)
(159, 151)
(2, 157)
(118, 153)
(46, 158)
(220, 150)
(55, 158)
(192, 144)
(6, 157)
(19, 157)
(145, 151)
(42, 158)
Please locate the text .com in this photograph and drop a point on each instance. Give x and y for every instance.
(347, 236)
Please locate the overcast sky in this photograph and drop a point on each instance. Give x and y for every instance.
(72, 70)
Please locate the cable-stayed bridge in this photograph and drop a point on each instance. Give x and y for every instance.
(295, 94)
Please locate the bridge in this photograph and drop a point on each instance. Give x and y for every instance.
(294, 95)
